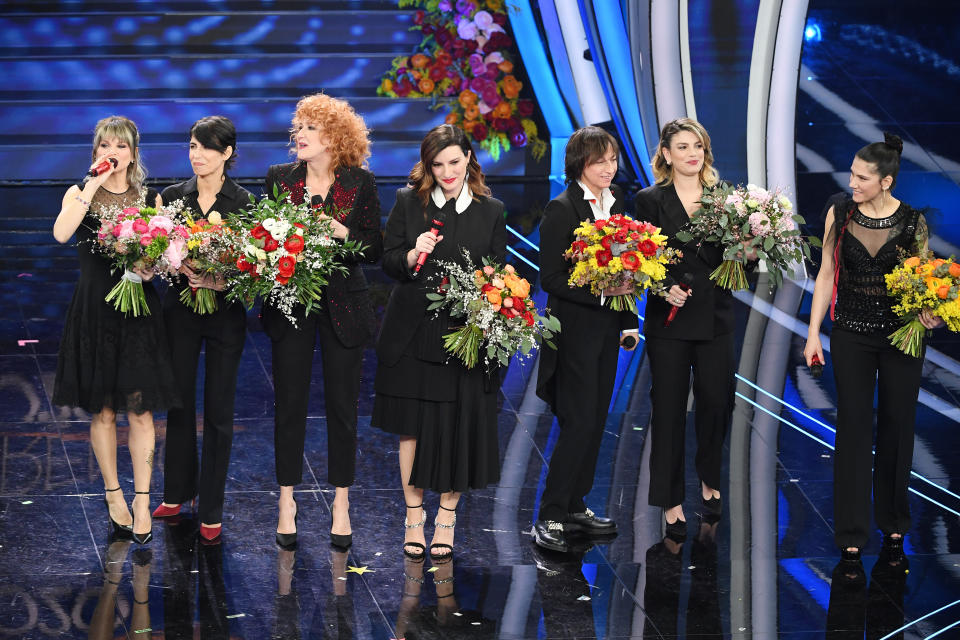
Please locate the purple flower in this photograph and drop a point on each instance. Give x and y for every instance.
(477, 67)
(465, 7)
(444, 5)
(483, 20)
(466, 29)
(518, 138)
(490, 96)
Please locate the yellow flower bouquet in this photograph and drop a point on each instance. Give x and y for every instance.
(923, 283)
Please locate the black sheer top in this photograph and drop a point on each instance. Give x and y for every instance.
(870, 248)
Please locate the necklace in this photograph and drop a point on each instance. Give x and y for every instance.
(878, 223)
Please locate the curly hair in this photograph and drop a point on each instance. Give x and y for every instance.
(663, 172)
(438, 139)
(347, 132)
(123, 129)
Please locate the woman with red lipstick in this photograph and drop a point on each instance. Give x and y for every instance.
(865, 237)
(577, 378)
(213, 149)
(108, 362)
(332, 145)
(445, 414)
(700, 337)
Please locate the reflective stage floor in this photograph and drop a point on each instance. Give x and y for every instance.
(765, 570)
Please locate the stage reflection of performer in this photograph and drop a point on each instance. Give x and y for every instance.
(565, 595)
(877, 609)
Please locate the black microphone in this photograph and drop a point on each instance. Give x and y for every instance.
(816, 367)
(685, 281)
(628, 342)
(103, 167)
(435, 230)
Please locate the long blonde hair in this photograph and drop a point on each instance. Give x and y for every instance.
(123, 129)
(663, 172)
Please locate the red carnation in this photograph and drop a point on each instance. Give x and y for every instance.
(282, 280)
(258, 232)
(479, 132)
(518, 303)
(525, 108)
(604, 257)
(294, 243)
(269, 244)
(243, 265)
(621, 235)
(437, 73)
(599, 224)
(487, 287)
(286, 266)
(648, 247)
(528, 318)
(403, 87)
(630, 260)
(579, 246)
(606, 242)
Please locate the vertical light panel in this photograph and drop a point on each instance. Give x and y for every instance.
(683, 26)
(758, 93)
(665, 53)
(593, 103)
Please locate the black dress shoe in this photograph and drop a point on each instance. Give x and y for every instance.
(548, 534)
(589, 522)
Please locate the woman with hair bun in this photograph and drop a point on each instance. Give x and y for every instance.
(213, 150)
(444, 413)
(332, 145)
(865, 236)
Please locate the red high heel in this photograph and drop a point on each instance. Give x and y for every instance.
(210, 535)
(164, 511)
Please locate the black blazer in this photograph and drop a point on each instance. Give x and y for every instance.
(709, 311)
(480, 228)
(345, 297)
(579, 311)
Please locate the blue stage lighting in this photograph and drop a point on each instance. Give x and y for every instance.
(812, 32)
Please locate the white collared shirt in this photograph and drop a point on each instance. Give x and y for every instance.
(601, 210)
(463, 200)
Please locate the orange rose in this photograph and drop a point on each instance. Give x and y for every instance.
(467, 98)
(954, 270)
(425, 85)
(471, 112)
(518, 286)
(506, 66)
(943, 292)
(494, 298)
(511, 87)
(912, 261)
(452, 118)
(502, 110)
(419, 61)
(932, 283)
(468, 125)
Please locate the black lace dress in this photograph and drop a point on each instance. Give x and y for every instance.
(107, 360)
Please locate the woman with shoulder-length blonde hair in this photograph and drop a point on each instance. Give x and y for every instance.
(444, 413)
(332, 144)
(109, 362)
(700, 336)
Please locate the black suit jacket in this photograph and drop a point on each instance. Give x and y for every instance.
(480, 228)
(579, 311)
(709, 311)
(345, 297)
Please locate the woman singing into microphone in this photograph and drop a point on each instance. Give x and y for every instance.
(109, 362)
(213, 149)
(445, 414)
(332, 143)
(700, 336)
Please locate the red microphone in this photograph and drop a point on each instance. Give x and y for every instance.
(685, 281)
(103, 167)
(435, 230)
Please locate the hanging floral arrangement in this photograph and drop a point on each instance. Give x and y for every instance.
(464, 63)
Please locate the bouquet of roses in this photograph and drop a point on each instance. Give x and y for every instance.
(500, 318)
(619, 251)
(286, 254)
(746, 220)
(143, 238)
(209, 250)
(923, 283)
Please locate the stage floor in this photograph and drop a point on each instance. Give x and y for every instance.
(765, 570)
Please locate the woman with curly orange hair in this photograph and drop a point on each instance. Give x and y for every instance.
(332, 144)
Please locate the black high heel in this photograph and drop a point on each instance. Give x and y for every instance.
(119, 530)
(676, 530)
(441, 551)
(415, 555)
(850, 556)
(142, 538)
(288, 541)
(340, 541)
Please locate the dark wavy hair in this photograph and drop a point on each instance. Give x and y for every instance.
(884, 155)
(438, 139)
(217, 133)
(586, 145)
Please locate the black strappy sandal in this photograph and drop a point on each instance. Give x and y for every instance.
(441, 551)
(415, 555)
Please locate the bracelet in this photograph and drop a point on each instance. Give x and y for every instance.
(85, 203)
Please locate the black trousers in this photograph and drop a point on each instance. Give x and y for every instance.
(584, 383)
(862, 364)
(224, 333)
(671, 360)
(292, 367)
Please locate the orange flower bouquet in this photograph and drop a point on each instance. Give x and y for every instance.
(208, 251)
(500, 318)
(923, 283)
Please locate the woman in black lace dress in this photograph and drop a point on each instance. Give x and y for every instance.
(108, 362)
(865, 235)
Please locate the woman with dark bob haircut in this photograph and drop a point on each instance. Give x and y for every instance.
(577, 379)
(332, 145)
(444, 413)
(866, 234)
(211, 194)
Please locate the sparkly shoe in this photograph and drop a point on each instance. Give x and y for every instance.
(440, 551)
(415, 555)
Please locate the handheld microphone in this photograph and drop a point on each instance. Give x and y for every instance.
(435, 230)
(103, 167)
(685, 281)
(628, 342)
(816, 367)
